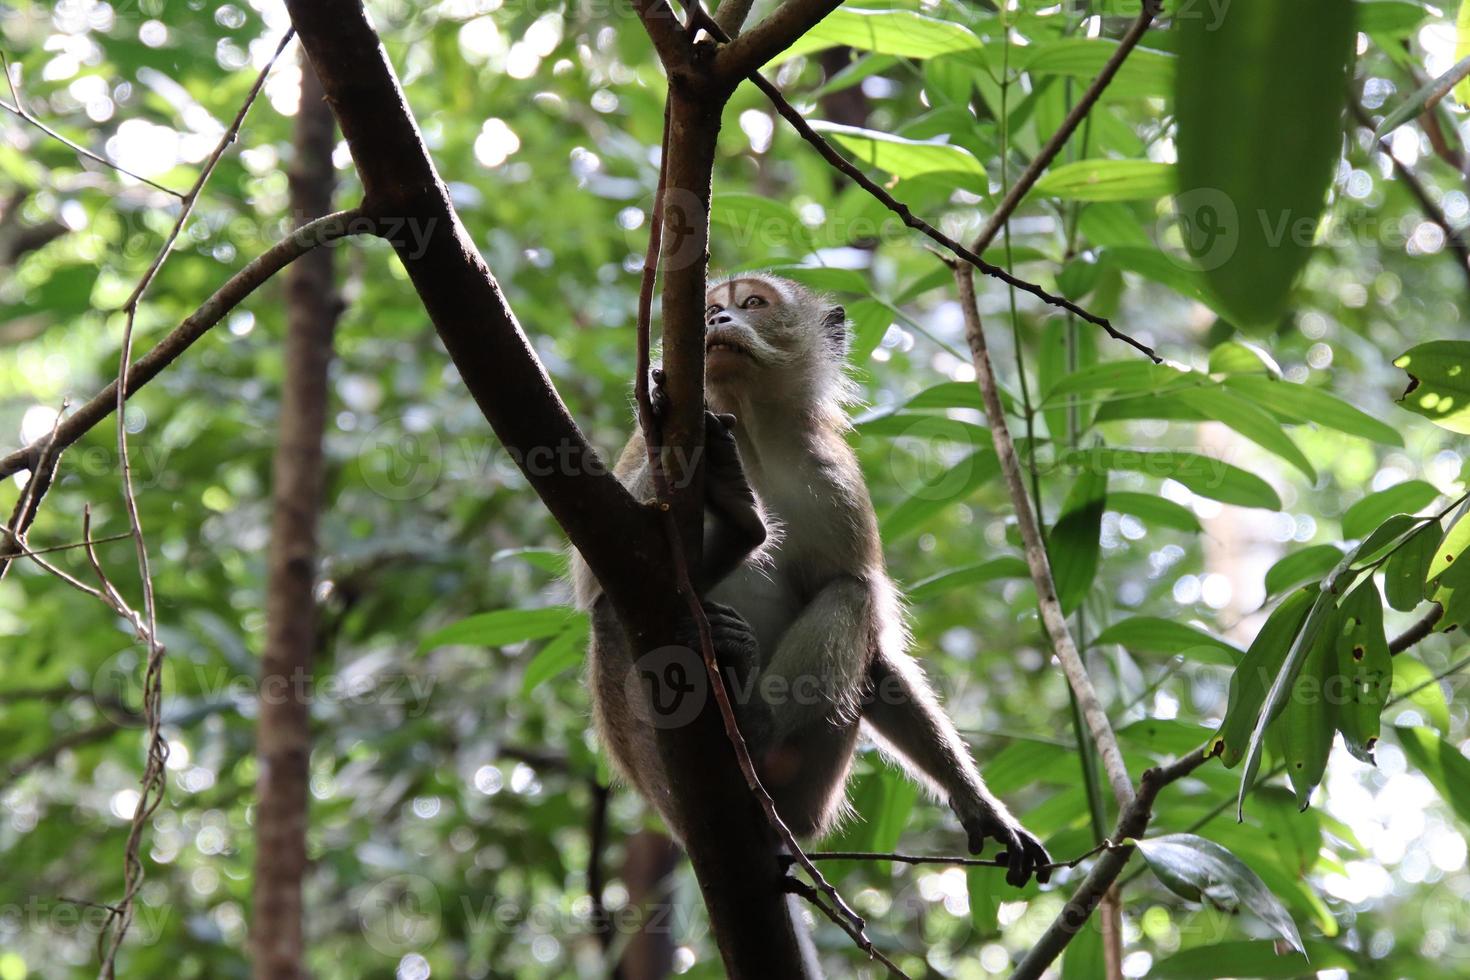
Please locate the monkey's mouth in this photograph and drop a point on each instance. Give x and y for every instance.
(726, 345)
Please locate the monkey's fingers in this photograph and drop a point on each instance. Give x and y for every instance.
(1040, 860)
(1018, 861)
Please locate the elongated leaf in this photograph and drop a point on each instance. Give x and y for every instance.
(1201, 870)
(1148, 634)
(958, 578)
(1065, 349)
(1133, 375)
(1307, 718)
(1428, 93)
(1462, 48)
(1146, 72)
(504, 627)
(1107, 180)
(893, 32)
(1256, 958)
(1203, 475)
(1384, 539)
(1261, 663)
(1250, 94)
(564, 652)
(1364, 664)
(904, 157)
(933, 495)
(1073, 543)
(1408, 497)
(1155, 510)
(551, 560)
(1407, 570)
(1444, 765)
(1439, 383)
(1452, 549)
(1226, 407)
(1304, 403)
(1239, 358)
(1307, 565)
(1414, 683)
(919, 425)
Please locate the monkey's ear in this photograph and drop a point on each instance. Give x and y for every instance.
(834, 327)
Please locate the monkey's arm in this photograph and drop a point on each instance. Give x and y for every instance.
(902, 709)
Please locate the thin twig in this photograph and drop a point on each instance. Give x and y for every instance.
(1050, 608)
(1417, 631)
(1074, 118)
(71, 547)
(803, 890)
(841, 163)
(212, 311)
(21, 112)
(153, 781)
(13, 542)
(956, 860)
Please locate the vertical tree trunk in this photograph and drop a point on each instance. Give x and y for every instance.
(283, 737)
(648, 869)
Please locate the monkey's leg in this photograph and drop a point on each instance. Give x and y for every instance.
(902, 709)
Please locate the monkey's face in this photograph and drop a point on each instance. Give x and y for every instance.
(753, 327)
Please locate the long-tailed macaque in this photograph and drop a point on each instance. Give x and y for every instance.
(807, 625)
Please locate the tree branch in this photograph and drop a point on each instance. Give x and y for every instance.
(1417, 631)
(1036, 557)
(911, 220)
(780, 29)
(214, 309)
(670, 40)
(1069, 125)
(1132, 823)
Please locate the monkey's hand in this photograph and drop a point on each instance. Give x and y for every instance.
(1022, 853)
(738, 653)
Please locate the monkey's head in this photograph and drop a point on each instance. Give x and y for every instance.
(768, 336)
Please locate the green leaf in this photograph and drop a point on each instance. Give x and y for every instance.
(1146, 72)
(1107, 180)
(906, 158)
(1426, 95)
(955, 484)
(1408, 497)
(894, 32)
(957, 578)
(1249, 95)
(1082, 955)
(1388, 536)
(1256, 958)
(1261, 663)
(1235, 357)
(1062, 342)
(1306, 722)
(1203, 475)
(1073, 543)
(1443, 764)
(1304, 403)
(1439, 383)
(1462, 48)
(1201, 870)
(553, 561)
(1299, 567)
(1364, 664)
(870, 321)
(504, 627)
(885, 798)
(919, 425)
(1249, 420)
(1407, 570)
(1451, 549)
(564, 652)
(1153, 509)
(1149, 634)
(1117, 376)
(1428, 699)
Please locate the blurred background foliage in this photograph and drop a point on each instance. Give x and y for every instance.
(453, 782)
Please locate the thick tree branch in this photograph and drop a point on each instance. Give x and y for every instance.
(670, 40)
(1078, 113)
(1132, 823)
(1054, 621)
(779, 30)
(731, 14)
(495, 359)
(214, 309)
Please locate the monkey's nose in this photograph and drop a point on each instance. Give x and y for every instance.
(719, 320)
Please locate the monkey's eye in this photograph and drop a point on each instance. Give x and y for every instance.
(751, 302)
(712, 309)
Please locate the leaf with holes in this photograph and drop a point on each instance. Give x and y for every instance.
(1203, 871)
(1364, 669)
(1306, 723)
(1439, 383)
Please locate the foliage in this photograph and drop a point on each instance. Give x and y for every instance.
(1279, 494)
